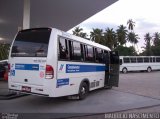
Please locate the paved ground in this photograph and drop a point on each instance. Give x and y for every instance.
(138, 83)
(146, 84)
(137, 92)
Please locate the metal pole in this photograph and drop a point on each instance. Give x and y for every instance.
(26, 14)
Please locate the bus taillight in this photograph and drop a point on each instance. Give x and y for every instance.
(49, 74)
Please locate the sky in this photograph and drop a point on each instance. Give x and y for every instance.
(145, 14)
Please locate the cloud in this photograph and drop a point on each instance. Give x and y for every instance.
(144, 26)
(101, 25)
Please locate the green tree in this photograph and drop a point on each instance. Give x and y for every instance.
(121, 33)
(156, 39)
(130, 24)
(110, 38)
(96, 35)
(126, 51)
(4, 51)
(155, 50)
(132, 38)
(78, 32)
(148, 38)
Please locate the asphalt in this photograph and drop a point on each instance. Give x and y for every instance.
(5, 94)
(137, 92)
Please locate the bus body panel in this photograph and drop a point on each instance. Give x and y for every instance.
(29, 72)
(70, 75)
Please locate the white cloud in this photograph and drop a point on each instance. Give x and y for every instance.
(144, 12)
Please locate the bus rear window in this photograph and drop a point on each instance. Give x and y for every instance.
(31, 43)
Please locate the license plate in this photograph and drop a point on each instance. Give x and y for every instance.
(26, 89)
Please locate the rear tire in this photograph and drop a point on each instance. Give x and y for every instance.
(124, 70)
(83, 91)
(149, 69)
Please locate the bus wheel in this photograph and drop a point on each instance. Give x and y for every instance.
(149, 69)
(83, 92)
(124, 70)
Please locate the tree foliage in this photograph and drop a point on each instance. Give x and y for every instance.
(131, 24)
(116, 40)
(96, 35)
(126, 51)
(121, 33)
(4, 51)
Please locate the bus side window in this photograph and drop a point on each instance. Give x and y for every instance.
(150, 59)
(63, 49)
(120, 61)
(126, 60)
(153, 59)
(89, 53)
(133, 60)
(82, 52)
(77, 51)
(146, 59)
(157, 59)
(139, 60)
(99, 55)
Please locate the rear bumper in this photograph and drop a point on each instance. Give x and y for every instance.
(13, 90)
(34, 89)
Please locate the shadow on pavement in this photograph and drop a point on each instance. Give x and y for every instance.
(5, 94)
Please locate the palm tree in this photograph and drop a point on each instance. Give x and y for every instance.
(110, 38)
(131, 24)
(121, 34)
(156, 39)
(97, 35)
(83, 35)
(78, 32)
(132, 38)
(148, 38)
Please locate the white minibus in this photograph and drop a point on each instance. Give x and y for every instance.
(53, 63)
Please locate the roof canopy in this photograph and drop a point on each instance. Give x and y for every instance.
(61, 14)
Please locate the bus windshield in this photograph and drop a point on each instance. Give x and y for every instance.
(31, 43)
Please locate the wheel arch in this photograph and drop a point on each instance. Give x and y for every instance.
(124, 68)
(87, 82)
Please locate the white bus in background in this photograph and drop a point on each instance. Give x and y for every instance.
(50, 62)
(139, 63)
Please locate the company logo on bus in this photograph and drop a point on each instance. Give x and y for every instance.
(61, 67)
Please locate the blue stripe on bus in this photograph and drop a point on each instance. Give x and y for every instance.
(74, 68)
(34, 67)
